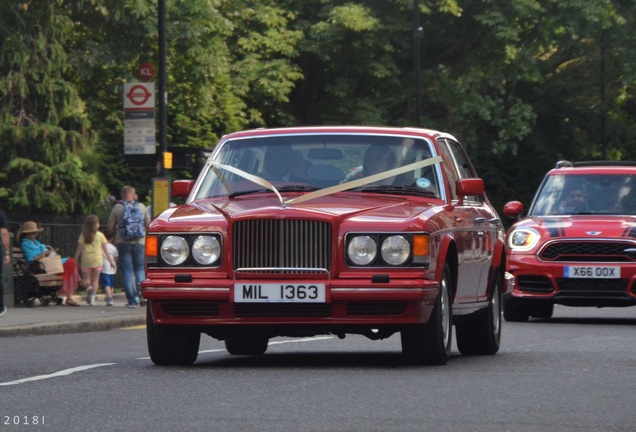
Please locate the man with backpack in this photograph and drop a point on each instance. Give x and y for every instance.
(130, 219)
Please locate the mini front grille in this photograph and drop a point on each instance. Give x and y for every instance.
(376, 308)
(190, 308)
(297, 310)
(535, 284)
(282, 243)
(586, 251)
(598, 288)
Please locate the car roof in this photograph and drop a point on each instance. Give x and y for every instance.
(301, 130)
(594, 167)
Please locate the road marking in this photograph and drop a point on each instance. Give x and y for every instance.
(137, 327)
(56, 374)
(310, 339)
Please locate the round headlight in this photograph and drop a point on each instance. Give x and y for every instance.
(523, 239)
(206, 250)
(395, 250)
(362, 250)
(174, 250)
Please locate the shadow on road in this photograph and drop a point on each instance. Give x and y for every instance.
(587, 320)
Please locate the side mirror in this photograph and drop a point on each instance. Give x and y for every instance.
(470, 186)
(182, 188)
(513, 209)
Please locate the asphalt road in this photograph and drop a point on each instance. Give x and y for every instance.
(575, 372)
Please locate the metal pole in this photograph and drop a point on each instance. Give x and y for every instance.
(417, 57)
(603, 101)
(163, 94)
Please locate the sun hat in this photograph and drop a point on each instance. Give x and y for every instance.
(30, 227)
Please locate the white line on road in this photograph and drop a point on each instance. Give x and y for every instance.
(56, 374)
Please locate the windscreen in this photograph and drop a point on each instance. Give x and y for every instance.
(586, 194)
(312, 161)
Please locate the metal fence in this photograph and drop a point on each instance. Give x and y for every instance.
(61, 232)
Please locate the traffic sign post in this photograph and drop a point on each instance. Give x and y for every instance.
(139, 118)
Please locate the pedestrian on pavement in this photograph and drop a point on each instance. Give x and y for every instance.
(107, 277)
(91, 247)
(130, 219)
(34, 250)
(6, 258)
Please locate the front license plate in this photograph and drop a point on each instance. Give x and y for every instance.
(592, 272)
(279, 293)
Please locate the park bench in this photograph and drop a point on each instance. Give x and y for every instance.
(31, 282)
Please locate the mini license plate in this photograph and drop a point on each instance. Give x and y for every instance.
(279, 293)
(592, 272)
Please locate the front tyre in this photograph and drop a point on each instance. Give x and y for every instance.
(481, 335)
(430, 344)
(171, 345)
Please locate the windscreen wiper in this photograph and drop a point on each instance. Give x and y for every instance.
(397, 190)
(247, 192)
(297, 188)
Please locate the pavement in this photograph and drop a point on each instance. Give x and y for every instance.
(56, 319)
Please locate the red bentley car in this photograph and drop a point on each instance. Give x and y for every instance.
(577, 244)
(306, 231)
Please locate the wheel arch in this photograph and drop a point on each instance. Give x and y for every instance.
(449, 252)
(497, 269)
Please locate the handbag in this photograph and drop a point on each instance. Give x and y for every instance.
(52, 264)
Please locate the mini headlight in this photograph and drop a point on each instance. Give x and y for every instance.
(395, 250)
(362, 250)
(206, 250)
(523, 239)
(174, 250)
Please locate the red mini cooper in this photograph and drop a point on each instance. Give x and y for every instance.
(328, 230)
(577, 245)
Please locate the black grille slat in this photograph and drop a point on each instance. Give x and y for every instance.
(376, 308)
(585, 251)
(254, 310)
(537, 284)
(608, 288)
(282, 243)
(190, 308)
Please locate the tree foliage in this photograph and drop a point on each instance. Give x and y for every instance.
(44, 127)
(522, 83)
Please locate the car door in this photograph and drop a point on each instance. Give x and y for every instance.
(477, 226)
(463, 215)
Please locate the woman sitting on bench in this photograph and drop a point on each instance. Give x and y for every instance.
(34, 250)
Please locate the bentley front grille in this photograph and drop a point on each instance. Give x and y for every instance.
(282, 243)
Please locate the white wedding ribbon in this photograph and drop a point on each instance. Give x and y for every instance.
(332, 189)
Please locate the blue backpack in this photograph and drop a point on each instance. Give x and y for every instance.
(132, 223)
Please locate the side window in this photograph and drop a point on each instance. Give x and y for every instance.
(464, 166)
(449, 167)
(460, 162)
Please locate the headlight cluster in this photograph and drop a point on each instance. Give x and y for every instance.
(178, 250)
(364, 250)
(523, 239)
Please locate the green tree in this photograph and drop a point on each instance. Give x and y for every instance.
(45, 133)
